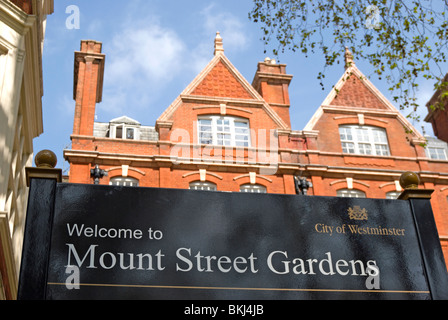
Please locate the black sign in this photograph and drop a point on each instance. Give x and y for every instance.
(146, 243)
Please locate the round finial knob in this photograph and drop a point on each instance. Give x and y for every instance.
(46, 159)
(409, 180)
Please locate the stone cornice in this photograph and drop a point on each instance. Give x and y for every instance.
(355, 111)
(164, 124)
(279, 78)
(15, 18)
(219, 100)
(81, 156)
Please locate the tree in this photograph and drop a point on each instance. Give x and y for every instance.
(403, 40)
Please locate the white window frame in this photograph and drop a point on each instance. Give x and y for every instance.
(253, 188)
(125, 128)
(436, 153)
(124, 182)
(350, 193)
(364, 140)
(203, 186)
(223, 134)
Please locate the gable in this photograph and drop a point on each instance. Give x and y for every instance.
(355, 96)
(220, 82)
(355, 93)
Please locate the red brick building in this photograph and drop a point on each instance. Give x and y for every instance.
(226, 134)
(438, 112)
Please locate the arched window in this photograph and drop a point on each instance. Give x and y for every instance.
(206, 186)
(392, 195)
(350, 193)
(364, 140)
(123, 181)
(253, 188)
(224, 131)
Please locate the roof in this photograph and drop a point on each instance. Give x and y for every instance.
(125, 119)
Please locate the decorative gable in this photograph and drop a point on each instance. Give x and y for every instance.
(220, 82)
(355, 93)
(355, 97)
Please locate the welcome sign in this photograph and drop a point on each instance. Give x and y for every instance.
(146, 243)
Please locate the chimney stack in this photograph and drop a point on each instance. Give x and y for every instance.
(87, 85)
(272, 83)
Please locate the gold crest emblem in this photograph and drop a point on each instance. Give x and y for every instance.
(356, 213)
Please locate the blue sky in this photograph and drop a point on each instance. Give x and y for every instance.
(155, 48)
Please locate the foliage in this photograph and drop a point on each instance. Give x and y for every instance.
(404, 40)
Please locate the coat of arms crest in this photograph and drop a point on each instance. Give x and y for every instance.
(356, 213)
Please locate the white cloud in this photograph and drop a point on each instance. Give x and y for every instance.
(151, 53)
(142, 59)
(145, 57)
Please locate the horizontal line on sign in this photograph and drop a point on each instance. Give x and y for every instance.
(229, 288)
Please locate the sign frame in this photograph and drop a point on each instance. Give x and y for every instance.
(39, 228)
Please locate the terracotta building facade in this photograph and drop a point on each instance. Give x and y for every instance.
(223, 133)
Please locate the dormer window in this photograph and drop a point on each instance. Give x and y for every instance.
(436, 153)
(436, 149)
(123, 131)
(119, 132)
(130, 133)
(124, 128)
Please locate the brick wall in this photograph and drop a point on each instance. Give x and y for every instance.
(355, 94)
(221, 83)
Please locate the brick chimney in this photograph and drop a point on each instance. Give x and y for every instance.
(87, 85)
(272, 83)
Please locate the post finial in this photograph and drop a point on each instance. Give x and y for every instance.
(349, 61)
(219, 48)
(409, 180)
(46, 159)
